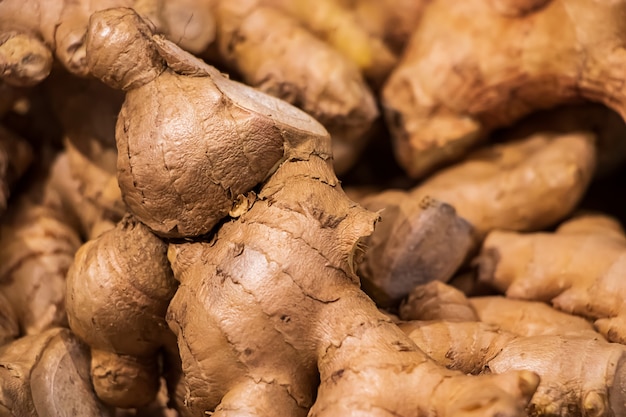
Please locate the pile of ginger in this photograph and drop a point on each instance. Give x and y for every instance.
(271, 208)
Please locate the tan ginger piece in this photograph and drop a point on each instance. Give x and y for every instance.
(525, 185)
(16, 155)
(39, 239)
(275, 53)
(580, 375)
(127, 264)
(458, 81)
(261, 327)
(192, 135)
(578, 270)
(47, 375)
(437, 301)
(415, 242)
(9, 322)
(32, 31)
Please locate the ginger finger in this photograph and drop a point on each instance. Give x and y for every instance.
(437, 301)
(15, 157)
(118, 289)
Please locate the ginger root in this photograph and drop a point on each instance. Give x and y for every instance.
(578, 269)
(260, 327)
(458, 81)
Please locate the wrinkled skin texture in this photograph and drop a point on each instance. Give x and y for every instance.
(260, 326)
(458, 80)
(244, 301)
(578, 269)
(127, 264)
(580, 375)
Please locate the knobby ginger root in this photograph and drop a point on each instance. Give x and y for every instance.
(458, 81)
(415, 242)
(47, 375)
(118, 289)
(578, 269)
(9, 322)
(580, 375)
(260, 327)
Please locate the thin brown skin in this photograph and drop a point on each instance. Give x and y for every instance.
(437, 301)
(39, 240)
(260, 325)
(9, 322)
(274, 52)
(118, 289)
(580, 375)
(525, 185)
(47, 375)
(16, 156)
(416, 241)
(578, 270)
(459, 81)
(201, 175)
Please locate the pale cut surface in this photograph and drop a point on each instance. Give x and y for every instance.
(47, 375)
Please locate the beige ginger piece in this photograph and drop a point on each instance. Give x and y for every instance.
(577, 269)
(277, 54)
(525, 185)
(261, 327)
(477, 65)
